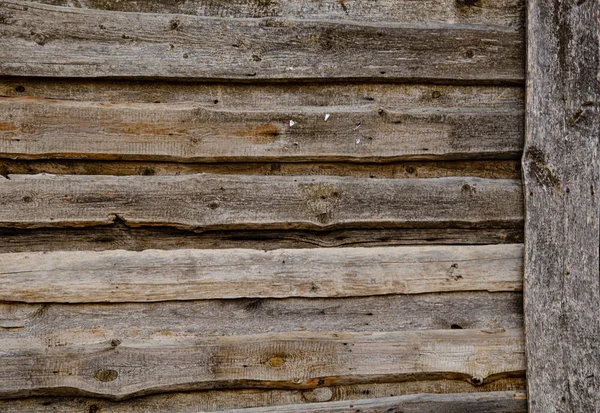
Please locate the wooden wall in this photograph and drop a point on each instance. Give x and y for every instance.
(209, 205)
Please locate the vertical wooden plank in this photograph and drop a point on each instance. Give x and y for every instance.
(560, 164)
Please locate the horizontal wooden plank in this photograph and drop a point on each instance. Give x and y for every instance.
(501, 402)
(500, 12)
(119, 236)
(44, 128)
(507, 169)
(93, 43)
(219, 400)
(264, 97)
(288, 360)
(236, 201)
(77, 324)
(162, 275)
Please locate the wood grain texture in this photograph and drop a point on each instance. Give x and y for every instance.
(119, 236)
(220, 400)
(75, 324)
(500, 12)
(506, 402)
(287, 360)
(93, 43)
(508, 169)
(263, 97)
(235, 201)
(561, 172)
(45, 128)
(162, 275)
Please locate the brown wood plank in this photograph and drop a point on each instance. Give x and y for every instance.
(263, 97)
(44, 128)
(500, 12)
(162, 275)
(287, 360)
(74, 324)
(561, 172)
(235, 201)
(505, 402)
(119, 236)
(219, 400)
(93, 43)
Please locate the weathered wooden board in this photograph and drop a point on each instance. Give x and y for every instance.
(74, 324)
(507, 169)
(562, 180)
(46, 128)
(500, 12)
(286, 360)
(250, 96)
(43, 40)
(119, 236)
(219, 400)
(505, 402)
(162, 275)
(236, 201)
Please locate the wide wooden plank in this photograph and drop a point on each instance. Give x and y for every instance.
(44, 128)
(75, 324)
(219, 400)
(234, 201)
(162, 275)
(93, 43)
(562, 180)
(505, 402)
(287, 360)
(500, 12)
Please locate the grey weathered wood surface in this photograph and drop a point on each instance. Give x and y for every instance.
(508, 402)
(163, 275)
(68, 324)
(94, 43)
(220, 400)
(44, 128)
(506, 169)
(508, 13)
(561, 172)
(237, 201)
(119, 236)
(285, 360)
(251, 96)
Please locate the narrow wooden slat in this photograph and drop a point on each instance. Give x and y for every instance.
(562, 181)
(92, 43)
(42, 128)
(232, 201)
(501, 12)
(75, 324)
(500, 402)
(118, 236)
(219, 400)
(159, 275)
(289, 360)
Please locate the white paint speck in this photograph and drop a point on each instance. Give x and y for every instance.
(292, 123)
(326, 116)
(357, 141)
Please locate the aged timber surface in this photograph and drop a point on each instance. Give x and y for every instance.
(54, 41)
(236, 201)
(48, 128)
(68, 324)
(284, 360)
(508, 13)
(562, 176)
(162, 275)
(220, 400)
